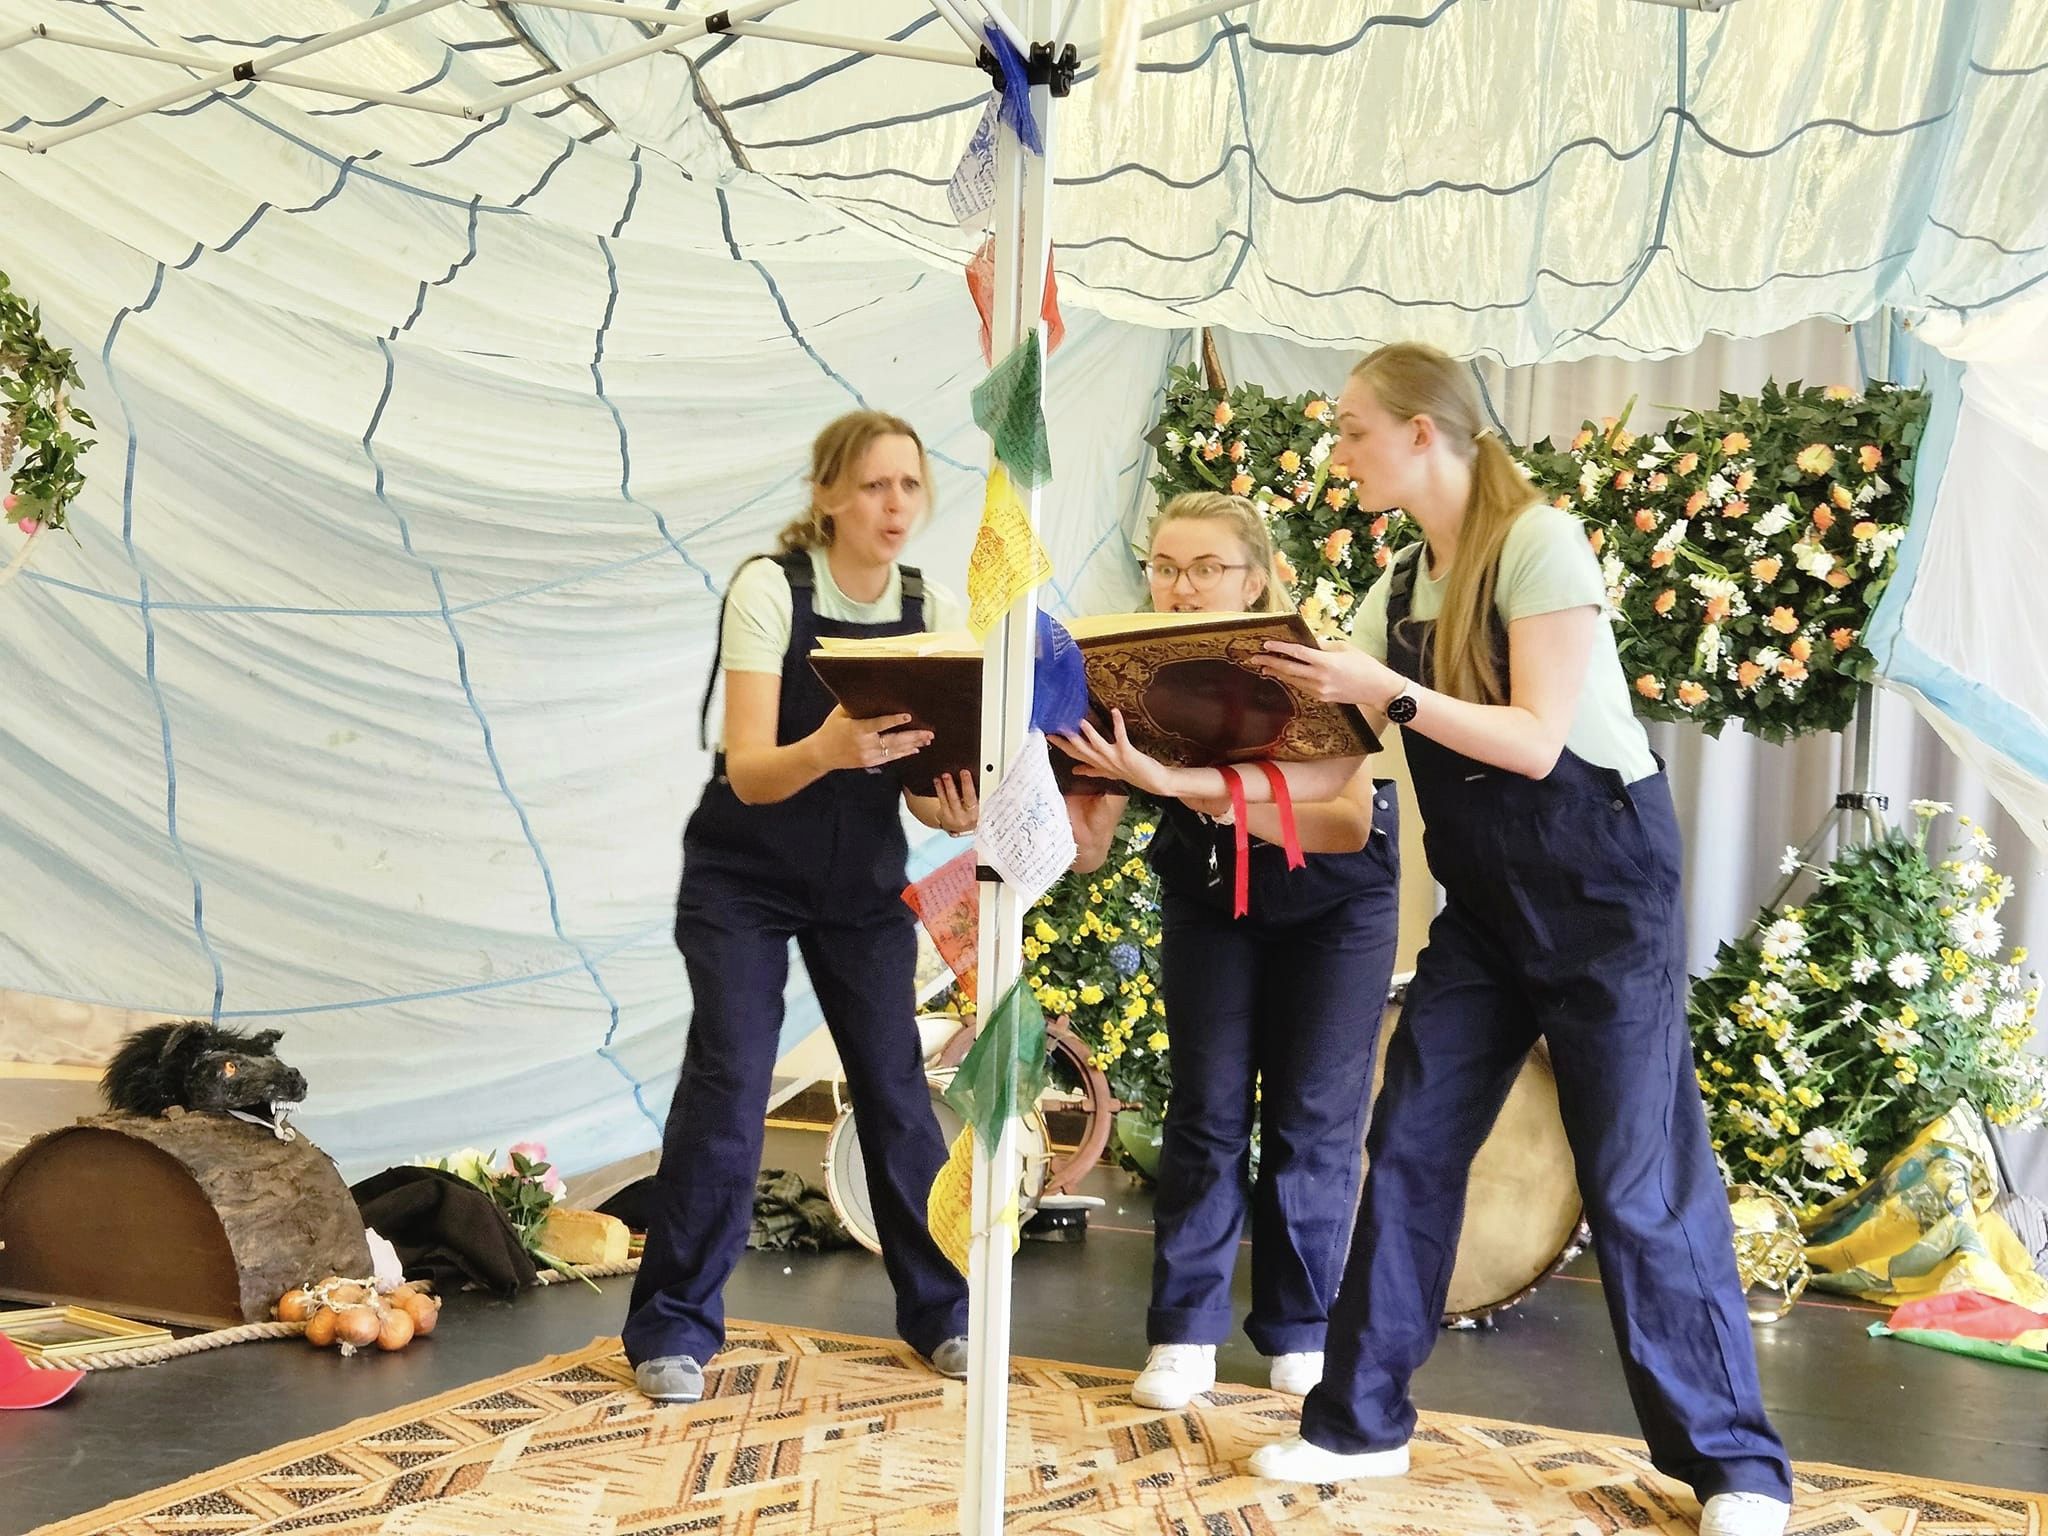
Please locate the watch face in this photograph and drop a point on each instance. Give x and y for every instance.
(1401, 709)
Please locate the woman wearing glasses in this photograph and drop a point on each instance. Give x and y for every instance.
(1275, 1014)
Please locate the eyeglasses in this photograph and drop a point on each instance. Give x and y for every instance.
(1202, 575)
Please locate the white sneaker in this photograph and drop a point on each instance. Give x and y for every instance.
(1296, 1461)
(1174, 1375)
(1744, 1514)
(1297, 1374)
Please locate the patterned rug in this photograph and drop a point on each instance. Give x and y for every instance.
(804, 1432)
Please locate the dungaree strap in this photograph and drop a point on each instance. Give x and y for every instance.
(796, 567)
(1401, 585)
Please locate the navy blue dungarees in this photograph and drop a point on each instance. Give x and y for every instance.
(825, 866)
(1561, 920)
(1292, 993)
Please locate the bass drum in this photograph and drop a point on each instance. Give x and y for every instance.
(846, 1171)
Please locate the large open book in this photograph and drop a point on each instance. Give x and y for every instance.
(1183, 681)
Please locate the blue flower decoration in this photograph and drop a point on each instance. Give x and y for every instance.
(1124, 957)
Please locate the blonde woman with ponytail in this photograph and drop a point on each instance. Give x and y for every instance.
(797, 835)
(1551, 828)
(1272, 999)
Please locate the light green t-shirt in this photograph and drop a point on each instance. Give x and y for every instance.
(759, 615)
(1546, 566)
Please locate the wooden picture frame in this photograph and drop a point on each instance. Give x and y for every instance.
(67, 1333)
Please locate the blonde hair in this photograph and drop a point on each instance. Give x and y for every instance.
(836, 456)
(1410, 379)
(1244, 521)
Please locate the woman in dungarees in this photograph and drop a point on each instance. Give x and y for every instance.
(1550, 826)
(798, 836)
(1285, 1000)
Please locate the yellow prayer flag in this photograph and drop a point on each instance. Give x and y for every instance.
(950, 1209)
(1007, 558)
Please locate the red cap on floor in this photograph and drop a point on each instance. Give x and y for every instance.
(24, 1386)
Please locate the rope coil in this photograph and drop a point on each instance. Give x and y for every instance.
(247, 1333)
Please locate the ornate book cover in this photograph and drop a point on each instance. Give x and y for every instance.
(1183, 681)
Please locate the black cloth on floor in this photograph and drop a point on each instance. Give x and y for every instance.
(788, 1213)
(445, 1230)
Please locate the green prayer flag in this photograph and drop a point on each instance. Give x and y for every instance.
(1004, 1070)
(1009, 405)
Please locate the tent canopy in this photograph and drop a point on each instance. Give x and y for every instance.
(1529, 181)
(364, 703)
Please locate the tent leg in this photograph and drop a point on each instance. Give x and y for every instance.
(1022, 242)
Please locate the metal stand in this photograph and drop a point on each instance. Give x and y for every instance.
(1859, 811)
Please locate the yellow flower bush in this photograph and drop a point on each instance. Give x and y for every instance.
(1092, 954)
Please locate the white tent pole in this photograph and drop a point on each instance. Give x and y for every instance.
(248, 69)
(949, 13)
(656, 17)
(192, 59)
(853, 44)
(1022, 234)
(1175, 22)
(1007, 27)
(672, 36)
(1066, 27)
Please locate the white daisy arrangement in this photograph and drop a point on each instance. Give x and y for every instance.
(1832, 1032)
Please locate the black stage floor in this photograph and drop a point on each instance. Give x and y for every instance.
(1836, 1394)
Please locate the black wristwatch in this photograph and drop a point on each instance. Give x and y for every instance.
(1401, 707)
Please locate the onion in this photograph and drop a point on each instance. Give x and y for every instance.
(396, 1331)
(320, 1328)
(294, 1307)
(347, 1294)
(357, 1325)
(425, 1313)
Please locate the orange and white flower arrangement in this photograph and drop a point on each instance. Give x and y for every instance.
(1744, 548)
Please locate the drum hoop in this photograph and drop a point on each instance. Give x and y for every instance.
(1472, 1317)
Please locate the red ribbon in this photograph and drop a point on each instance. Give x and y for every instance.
(1239, 814)
(1283, 802)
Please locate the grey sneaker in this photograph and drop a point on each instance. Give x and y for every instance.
(671, 1379)
(950, 1359)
